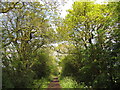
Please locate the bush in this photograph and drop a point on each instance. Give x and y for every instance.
(41, 83)
(69, 82)
(42, 64)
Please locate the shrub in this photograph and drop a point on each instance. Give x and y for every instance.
(69, 82)
(41, 83)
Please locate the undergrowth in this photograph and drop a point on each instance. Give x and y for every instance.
(42, 83)
(69, 82)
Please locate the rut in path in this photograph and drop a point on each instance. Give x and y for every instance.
(54, 84)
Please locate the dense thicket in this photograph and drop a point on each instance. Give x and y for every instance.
(93, 32)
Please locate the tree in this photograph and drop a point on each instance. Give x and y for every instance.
(25, 31)
(89, 28)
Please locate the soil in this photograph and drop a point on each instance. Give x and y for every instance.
(54, 85)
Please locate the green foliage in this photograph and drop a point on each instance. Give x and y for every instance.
(69, 82)
(69, 66)
(102, 81)
(22, 79)
(26, 32)
(42, 83)
(92, 51)
(92, 28)
(7, 83)
(42, 64)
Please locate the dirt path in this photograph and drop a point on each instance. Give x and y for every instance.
(54, 84)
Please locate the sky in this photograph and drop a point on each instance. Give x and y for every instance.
(67, 6)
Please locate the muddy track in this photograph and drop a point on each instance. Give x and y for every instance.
(54, 84)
